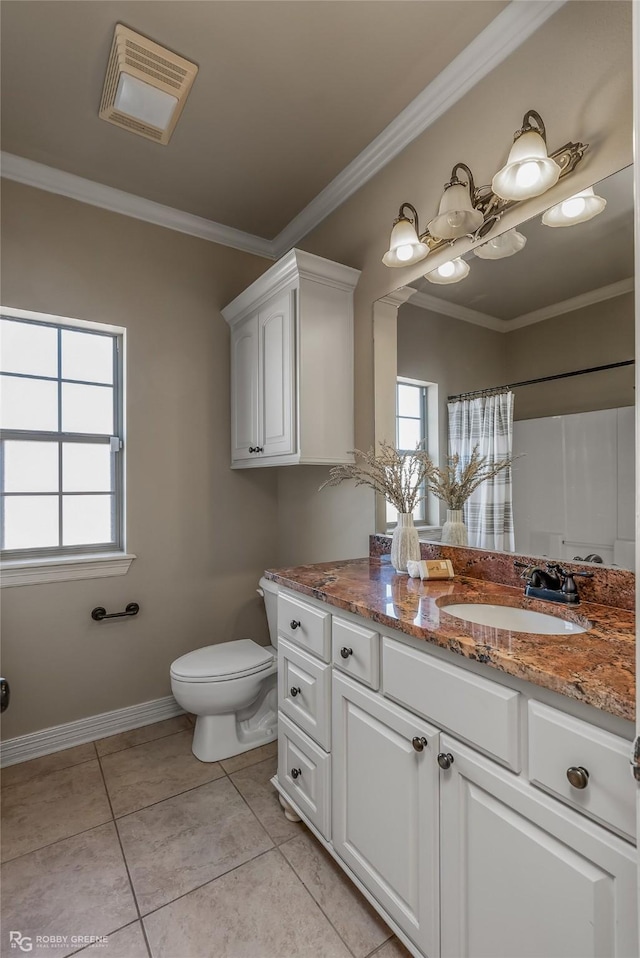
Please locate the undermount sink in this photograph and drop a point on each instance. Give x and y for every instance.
(513, 620)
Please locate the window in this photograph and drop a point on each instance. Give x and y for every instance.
(61, 422)
(416, 422)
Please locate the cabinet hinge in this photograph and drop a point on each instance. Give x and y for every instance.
(635, 760)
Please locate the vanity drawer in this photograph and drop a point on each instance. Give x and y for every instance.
(305, 625)
(304, 692)
(304, 772)
(356, 650)
(481, 712)
(558, 742)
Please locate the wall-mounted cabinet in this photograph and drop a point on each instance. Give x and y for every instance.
(292, 364)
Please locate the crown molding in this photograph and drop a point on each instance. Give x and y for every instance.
(495, 43)
(455, 311)
(575, 302)
(397, 297)
(42, 177)
(441, 306)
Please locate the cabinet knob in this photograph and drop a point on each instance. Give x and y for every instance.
(578, 776)
(259, 449)
(445, 759)
(419, 742)
(296, 772)
(345, 652)
(252, 449)
(294, 625)
(295, 691)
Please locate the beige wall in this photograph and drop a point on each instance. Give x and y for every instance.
(593, 336)
(202, 533)
(576, 71)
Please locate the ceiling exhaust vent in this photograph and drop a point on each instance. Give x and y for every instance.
(146, 86)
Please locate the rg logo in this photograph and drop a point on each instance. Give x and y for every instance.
(18, 940)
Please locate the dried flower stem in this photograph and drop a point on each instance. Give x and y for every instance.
(401, 477)
(455, 484)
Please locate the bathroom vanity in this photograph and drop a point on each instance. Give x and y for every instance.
(473, 783)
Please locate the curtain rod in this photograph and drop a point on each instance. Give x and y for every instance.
(543, 379)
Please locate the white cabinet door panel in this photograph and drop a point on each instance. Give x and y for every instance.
(385, 807)
(244, 389)
(277, 378)
(523, 876)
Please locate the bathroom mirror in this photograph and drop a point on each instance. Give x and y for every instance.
(562, 303)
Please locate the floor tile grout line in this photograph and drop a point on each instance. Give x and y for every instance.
(260, 823)
(114, 932)
(32, 851)
(150, 741)
(167, 798)
(124, 857)
(126, 748)
(318, 905)
(210, 882)
(52, 771)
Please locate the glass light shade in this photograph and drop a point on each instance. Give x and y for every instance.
(578, 208)
(502, 246)
(405, 248)
(456, 216)
(528, 171)
(450, 272)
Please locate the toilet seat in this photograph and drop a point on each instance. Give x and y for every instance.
(223, 662)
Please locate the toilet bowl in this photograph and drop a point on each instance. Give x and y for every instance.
(231, 689)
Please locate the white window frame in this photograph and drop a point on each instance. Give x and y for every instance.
(430, 517)
(35, 566)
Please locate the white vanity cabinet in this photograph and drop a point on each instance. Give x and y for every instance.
(522, 875)
(451, 806)
(292, 364)
(385, 806)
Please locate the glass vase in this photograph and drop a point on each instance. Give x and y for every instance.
(454, 531)
(405, 544)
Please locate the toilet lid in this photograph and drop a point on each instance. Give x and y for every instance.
(225, 661)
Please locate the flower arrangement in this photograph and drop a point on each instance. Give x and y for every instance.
(454, 484)
(401, 477)
(406, 478)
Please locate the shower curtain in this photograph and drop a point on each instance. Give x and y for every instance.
(486, 422)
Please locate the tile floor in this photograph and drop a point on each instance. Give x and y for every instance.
(134, 839)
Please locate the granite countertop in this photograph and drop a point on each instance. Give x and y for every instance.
(596, 667)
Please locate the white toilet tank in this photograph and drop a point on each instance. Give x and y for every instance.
(269, 591)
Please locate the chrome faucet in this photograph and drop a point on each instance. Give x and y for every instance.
(554, 583)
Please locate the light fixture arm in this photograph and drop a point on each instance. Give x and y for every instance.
(527, 125)
(455, 181)
(416, 221)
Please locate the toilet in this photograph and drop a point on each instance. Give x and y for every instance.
(232, 690)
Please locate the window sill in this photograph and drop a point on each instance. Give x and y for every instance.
(64, 568)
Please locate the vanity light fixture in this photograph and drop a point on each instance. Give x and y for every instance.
(145, 87)
(457, 215)
(578, 208)
(452, 271)
(502, 246)
(467, 210)
(529, 170)
(405, 246)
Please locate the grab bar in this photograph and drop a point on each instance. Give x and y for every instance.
(100, 613)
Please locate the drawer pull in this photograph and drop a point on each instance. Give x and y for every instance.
(445, 759)
(294, 624)
(295, 691)
(345, 652)
(419, 742)
(296, 772)
(578, 776)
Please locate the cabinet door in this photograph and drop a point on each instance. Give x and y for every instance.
(277, 404)
(385, 807)
(244, 389)
(525, 877)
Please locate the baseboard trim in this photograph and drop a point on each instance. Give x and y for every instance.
(48, 740)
